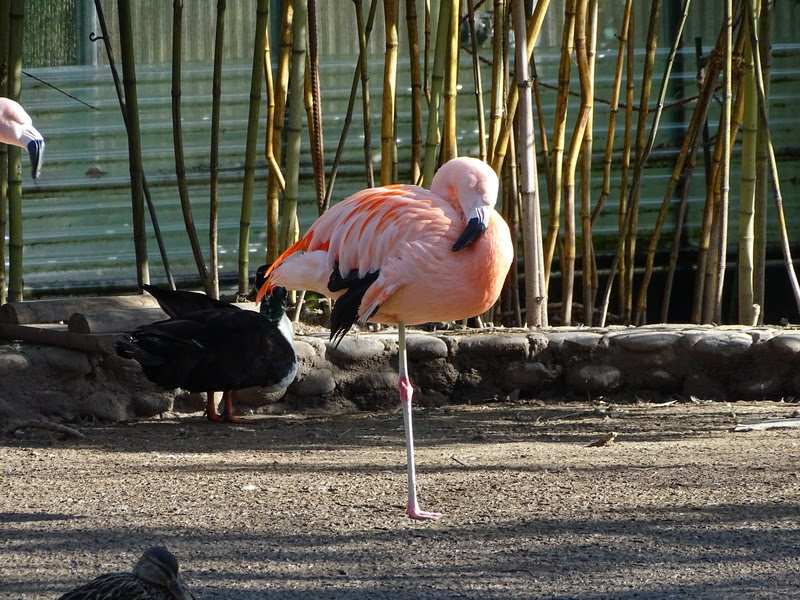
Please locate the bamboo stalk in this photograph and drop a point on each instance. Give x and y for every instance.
(747, 195)
(476, 70)
(545, 153)
(773, 167)
(437, 88)
(251, 141)
(134, 139)
(213, 168)
(555, 194)
(275, 177)
(512, 199)
(762, 170)
(295, 123)
(177, 142)
(275, 237)
(568, 266)
(588, 272)
(612, 117)
(348, 119)
(15, 237)
(644, 154)
(5, 24)
(388, 136)
(317, 147)
(415, 169)
(449, 141)
(535, 290)
(426, 36)
(498, 76)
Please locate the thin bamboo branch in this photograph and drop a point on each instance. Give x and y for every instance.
(426, 53)
(535, 292)
(361, 69)
(275, 176)
(476, 70)
(177, 142)
(388, 136)
(256, 74)
(588, 271)
(415, 169)
(498, 76)
(317, 145)
(213, 170)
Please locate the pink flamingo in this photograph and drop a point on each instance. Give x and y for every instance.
(405, 255)
(16, 128)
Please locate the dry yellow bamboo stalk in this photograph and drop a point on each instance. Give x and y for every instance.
(449, 145)
(388, 138)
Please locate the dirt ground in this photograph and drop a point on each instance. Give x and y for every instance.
(303, 506)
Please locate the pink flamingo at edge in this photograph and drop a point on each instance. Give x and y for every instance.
(16, 128)
(405, 255)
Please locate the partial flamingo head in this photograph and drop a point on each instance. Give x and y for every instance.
(473, 185)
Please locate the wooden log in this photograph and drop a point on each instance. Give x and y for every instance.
(117, 320)
(55, 311)
(49, 334)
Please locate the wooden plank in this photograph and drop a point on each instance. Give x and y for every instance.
(114, 320)
(55, 311)
(764, 424)
(57, 335)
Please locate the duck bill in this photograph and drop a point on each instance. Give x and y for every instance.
(477, 223)
(36, 152)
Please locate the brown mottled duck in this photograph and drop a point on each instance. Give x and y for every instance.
(155, 577)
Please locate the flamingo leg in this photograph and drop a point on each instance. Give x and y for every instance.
(406, 390)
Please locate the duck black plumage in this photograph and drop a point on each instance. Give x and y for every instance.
(154, 577)
(208, 345)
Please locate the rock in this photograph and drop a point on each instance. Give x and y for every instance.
(66, 360)
(760, 388)
(703, 387)
(354, 349)
(13, 362)
(151, 404)
(718, 344)
(786, 345)
(425, 347)
(644, 341)
(438, 375)
(317, 383)
(494, 345)
(530, 376)
(571, 341)
(537, 342)
(595, 379)
(190, 402)
(257, 397)
(103, 406)
(305, 351)
(661, 380)
(380, 380)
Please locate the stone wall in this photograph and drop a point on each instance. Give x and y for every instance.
(649, 363)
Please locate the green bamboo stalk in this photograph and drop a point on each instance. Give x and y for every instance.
(476, 70)
(256, 74)
(612, 117)
(639, 160)
(361, 71)
(294, 126)
(762, 170)
(747, 195)
(281, 90)
(5, 24)
(415, 169)
(437, 87)
(555, 195)
(213, 201)
(498, 76)
(317, 145)
(449, 138)
(579, 9)
(773, 167)
(535, 290)
(388, 136)
(134, 139)
(177, 141)
(15, 237)
(588, 272)
(644, 154)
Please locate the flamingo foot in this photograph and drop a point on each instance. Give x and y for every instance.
(414, 512)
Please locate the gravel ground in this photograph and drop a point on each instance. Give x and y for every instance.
(305, 506)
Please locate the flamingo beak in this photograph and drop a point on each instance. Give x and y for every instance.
(477, 223)
(36, 152)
